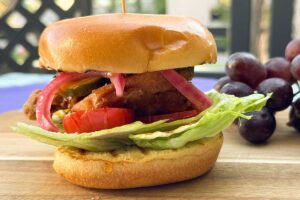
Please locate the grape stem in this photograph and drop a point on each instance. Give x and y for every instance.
(298, 91)
(298, 86)
(297, 83)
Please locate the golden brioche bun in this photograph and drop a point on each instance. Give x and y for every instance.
(126, 43)
(134, 167)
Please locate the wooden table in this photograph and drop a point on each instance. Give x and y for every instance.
(243, 171)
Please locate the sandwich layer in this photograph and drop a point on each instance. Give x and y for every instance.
(134, 167)
(130, 43)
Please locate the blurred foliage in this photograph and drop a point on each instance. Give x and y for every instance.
(222, 11)
(135, 6)
(221, 14)
(222, 43)
(160, 6)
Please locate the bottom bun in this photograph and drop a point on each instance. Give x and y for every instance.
(133, 167)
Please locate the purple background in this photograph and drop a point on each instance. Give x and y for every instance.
(13, 98)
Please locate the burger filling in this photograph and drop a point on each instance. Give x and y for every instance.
(113, 111)
(86, 102)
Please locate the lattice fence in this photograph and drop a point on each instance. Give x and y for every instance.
(20, 29)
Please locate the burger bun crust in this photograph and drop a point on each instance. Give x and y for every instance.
(126, 43)
(134, 167)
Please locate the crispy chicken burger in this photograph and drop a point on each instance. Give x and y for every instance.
(121, 109)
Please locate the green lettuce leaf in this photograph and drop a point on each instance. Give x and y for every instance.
(157, 135)
(225, 110)
(104, 140)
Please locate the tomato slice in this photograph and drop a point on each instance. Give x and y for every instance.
(170, 117)
(98, 119)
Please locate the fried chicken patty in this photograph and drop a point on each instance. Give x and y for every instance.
(147, 94)
(29, 108)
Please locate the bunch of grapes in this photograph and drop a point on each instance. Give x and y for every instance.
(246, 75)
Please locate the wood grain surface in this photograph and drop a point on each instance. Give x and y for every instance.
(243, 171)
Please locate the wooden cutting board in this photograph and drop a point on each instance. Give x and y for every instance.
(243, 171)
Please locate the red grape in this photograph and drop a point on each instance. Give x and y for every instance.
(237, 89)
(280, 68)
(296, 104)
(244, 67)
(294, 115)
(295, 67)
(221, 82)
(259, 128)
(282, 91)
(292, 49)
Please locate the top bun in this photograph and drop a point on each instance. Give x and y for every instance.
(126, 43)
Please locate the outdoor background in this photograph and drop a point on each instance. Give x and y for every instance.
(262, 27)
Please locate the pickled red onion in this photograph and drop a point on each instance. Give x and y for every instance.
(187, 89)
(118, 81)
(45, 99)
